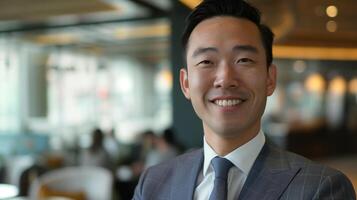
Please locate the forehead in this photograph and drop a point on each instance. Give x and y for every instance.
(224, 31)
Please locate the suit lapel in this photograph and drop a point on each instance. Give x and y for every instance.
(269, 176)
(185, 176)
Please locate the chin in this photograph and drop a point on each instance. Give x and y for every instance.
(229, 132)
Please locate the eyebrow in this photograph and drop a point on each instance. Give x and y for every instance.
(248, 48)
(202, 50)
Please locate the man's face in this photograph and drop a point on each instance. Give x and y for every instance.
(227, 78)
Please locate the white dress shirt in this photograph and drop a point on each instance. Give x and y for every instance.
(242, 158)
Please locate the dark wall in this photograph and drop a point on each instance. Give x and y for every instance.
(187, 125)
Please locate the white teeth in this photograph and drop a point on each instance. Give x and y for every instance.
(230, 102)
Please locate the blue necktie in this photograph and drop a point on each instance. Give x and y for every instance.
(221, 167)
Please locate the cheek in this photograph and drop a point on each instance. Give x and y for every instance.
(198, 89)
(199, 83)
(256, 83)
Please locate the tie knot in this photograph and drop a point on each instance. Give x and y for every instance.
(221, 167)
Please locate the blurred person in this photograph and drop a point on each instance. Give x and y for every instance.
(96, 155)
(228, 77)
(128, 173)
(169, 134)
(112, 146)
(164, 148)
(147, 144)
(135, 164)
(153, 150)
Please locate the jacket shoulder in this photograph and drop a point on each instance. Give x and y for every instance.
(306, 165)
(315, 180)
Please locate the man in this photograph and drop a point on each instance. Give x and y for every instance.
(228, 77)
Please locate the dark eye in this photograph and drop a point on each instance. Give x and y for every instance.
(205, 63)
(245, 60)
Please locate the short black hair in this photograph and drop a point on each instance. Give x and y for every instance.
(235, 8)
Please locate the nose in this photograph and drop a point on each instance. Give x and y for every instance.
(226, 77)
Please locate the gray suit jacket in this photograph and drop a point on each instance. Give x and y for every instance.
(276, 174)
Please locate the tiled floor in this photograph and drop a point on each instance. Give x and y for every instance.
(347, 164)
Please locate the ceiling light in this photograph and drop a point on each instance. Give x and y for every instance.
(315, 53)
(331, 26)
(338, 85)
(299, 66)
(143, 31)
(331, 11)
(315, 83)
(55, 39)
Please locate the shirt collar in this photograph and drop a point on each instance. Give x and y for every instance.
(242, 157)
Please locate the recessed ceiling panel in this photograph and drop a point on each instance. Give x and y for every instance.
(31, 10)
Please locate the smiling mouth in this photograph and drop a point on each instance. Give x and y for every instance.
(228, 102)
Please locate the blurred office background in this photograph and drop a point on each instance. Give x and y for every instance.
(71, 70)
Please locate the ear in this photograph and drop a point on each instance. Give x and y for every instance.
(271, 79)
(184, 83)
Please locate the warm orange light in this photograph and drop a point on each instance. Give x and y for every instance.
(320, 53)
(191, 3)
(331, 11)
(55, 38)
(352, 86)
(144, 31)
(315, 83)
(331, 26)
(165, 79)
(338, 85)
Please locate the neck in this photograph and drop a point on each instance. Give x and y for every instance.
(223, 145)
